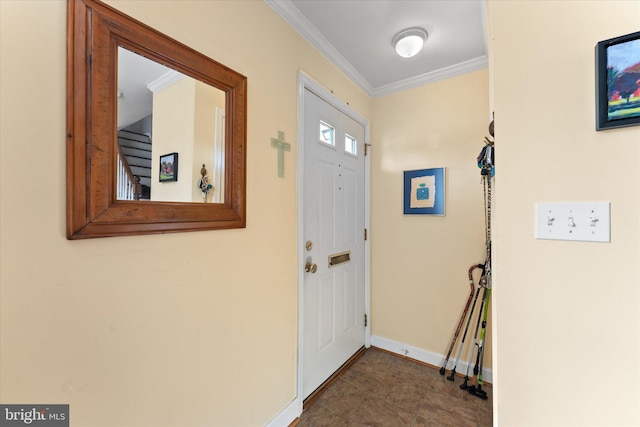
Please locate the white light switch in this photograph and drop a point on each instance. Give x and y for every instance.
(587, 222)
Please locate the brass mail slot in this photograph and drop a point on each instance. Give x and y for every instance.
(339, 258)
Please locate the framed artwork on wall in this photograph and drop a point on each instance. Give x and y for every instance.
(618, 82)
(169, 167)
(424, 192)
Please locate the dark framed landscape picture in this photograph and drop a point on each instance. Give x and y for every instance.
(618, 82)
(169, 167)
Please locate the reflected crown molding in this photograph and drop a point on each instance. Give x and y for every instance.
(165, 80)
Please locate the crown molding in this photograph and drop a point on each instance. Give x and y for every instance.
(292, 15)
(474, 64)
(300, 23)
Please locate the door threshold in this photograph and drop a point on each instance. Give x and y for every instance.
(310, 400)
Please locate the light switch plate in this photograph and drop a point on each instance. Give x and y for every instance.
(586, 222)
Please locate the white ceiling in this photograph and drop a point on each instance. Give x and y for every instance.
(356, 36)
(138, 78)
(135, 73)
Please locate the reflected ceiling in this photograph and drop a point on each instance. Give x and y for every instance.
(135, 72)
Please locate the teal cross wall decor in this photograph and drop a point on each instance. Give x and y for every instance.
(281, 146)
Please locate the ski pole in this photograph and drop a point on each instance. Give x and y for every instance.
(477, 391)
(464, 337)
(464, 314)
(487, 279)
(464, 385)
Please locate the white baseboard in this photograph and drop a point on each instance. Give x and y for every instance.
(425, 356)
(287, 415)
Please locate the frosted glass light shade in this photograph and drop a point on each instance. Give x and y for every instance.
(409, 42)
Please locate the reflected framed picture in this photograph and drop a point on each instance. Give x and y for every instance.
(618, 82)
(424, 192)
(169, 167)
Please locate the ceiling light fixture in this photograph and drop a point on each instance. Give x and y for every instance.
(409, 42)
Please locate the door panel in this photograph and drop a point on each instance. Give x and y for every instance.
(334, 297)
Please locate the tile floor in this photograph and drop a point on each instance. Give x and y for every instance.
(382, 389)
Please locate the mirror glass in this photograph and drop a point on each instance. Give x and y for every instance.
(171, 132)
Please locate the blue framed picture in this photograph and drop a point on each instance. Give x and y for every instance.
(424, 192)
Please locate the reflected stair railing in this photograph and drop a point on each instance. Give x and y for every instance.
(128, 184)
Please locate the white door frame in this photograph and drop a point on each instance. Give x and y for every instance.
(305, 82)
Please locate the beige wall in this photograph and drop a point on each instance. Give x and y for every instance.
(419, 263)
(208, 99)
(180, 329)
(133, 330)
(174, 112)
(184, 122)
(567, 313)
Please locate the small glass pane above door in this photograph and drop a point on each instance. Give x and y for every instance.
(327, 134)
(350, 144)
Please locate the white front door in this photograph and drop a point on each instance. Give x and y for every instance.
(334, 240)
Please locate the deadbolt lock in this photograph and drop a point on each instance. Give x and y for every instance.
(310, 267)
(308, 245)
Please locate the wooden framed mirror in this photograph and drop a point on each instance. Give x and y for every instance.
(96, 33)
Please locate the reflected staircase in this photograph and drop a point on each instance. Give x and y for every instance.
(134, 166)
